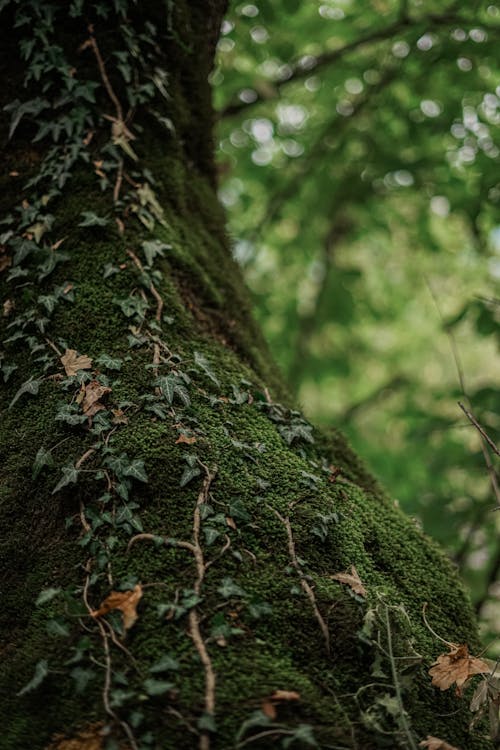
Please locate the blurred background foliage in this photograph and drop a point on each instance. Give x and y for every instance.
(359, 156)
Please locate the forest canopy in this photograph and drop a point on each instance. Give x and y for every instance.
(359, 158)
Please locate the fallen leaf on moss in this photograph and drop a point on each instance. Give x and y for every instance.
(456, 666)
(352, 579)
(8, 307)
(119, 416)
(285, 695)
(230, 522)
(269, 709)
(90, 738)
(186, 439)
(72, 362)
(91, 403)
(125, 601)
(434, 743)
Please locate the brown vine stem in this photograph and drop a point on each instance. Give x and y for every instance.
(196, 549)
(91, 42)
(107, 665)
(303, 580)
(194, 621)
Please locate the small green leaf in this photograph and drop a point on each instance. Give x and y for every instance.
(154, 248)
(31, 387)
(189, 474)
(42, 458)
(69, 476)
(136, 470)
(206, 722)
(41, 672)
(165, 664)
(91, 219)
(228, 588)
(46, 595)
(111, 364)
(157, 687)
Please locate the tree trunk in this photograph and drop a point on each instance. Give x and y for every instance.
(170, 468)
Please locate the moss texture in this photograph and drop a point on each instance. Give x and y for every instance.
(256, 618)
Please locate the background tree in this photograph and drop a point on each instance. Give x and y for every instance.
(359, 146)
(185, 560)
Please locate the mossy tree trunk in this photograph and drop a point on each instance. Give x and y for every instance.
(161, 457)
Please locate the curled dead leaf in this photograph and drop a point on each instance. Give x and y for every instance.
(268, 709)
(185, 439)
(352, 579)
(90, 738)
(285, 695)
(456, 667)
(119, 416)
(8, 307)
(72, 362)
(91, 403)
(125, 601)
(434, 743)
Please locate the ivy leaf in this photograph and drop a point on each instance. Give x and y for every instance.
(30, 387)
(202, 362)
(41, 672)
(69, 476)
(46, 595)
(165, 664)
(109, 362)
(136, 470)
(154, 248)
(157, 687)
(91, 219)
(229, 588)
(206, 723)
(190, 472)
(42, 458)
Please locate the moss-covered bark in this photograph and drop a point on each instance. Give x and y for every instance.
(245, 515)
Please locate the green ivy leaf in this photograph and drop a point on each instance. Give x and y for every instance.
(69, 476)
(42, 458)
(157, 687)
(41, 672)
(109, 362)
(91, 219)
(136, 470)
(31, 387)
(165, 664)
(190, 472)
(46, 595)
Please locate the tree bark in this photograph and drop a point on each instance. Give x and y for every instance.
(170, 468)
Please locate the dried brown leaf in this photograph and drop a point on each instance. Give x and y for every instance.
(119, 416)
(72, 362)
(456, 667)
(8, 307)
(230, 522)
(5, 262)
(285, 695)
(90, 738)
(434, 743)
(91, 403)
(125, 601)
(269, 709)
(352, 579)
(186, 439)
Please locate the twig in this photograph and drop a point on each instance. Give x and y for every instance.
(303, 581)
(194, 623)
(107, 668)
(118, 182)
(102, 69)
(478, 427)
(53, 346)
